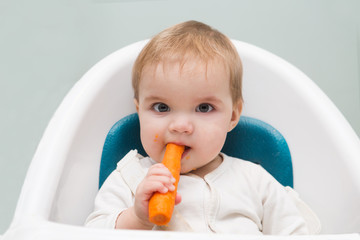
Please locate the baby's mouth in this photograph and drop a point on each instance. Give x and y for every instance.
(186, 150)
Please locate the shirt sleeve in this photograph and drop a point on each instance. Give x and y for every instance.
(280, 214)
(113, 198)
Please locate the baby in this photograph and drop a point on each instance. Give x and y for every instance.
(187, 90)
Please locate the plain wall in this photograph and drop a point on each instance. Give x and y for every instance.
(46, 46)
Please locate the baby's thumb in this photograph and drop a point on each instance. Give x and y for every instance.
(177, 198)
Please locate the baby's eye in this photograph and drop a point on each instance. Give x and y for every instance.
(204, 108)
(161, 107)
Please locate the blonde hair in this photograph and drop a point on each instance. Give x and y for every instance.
(191, 39)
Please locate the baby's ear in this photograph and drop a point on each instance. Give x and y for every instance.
(237, 108)
(136, 102)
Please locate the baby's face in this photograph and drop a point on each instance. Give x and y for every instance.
(189, 106)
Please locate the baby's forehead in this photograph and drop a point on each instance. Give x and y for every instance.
(188, 72)
(186, 64)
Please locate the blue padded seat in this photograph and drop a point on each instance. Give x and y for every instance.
(251, 140)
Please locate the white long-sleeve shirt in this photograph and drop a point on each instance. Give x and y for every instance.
(237, 197)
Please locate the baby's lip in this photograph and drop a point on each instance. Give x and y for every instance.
(186, 150)
(178, 143)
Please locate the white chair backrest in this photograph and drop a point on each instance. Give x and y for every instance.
(62, 181)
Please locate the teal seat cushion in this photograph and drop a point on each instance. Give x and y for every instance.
(251, 140)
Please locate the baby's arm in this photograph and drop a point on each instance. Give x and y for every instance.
(280, 214)
(113, 197)
(158, 179)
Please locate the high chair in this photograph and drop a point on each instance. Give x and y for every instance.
(63, 178)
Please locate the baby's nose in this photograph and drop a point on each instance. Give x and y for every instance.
(181, 125)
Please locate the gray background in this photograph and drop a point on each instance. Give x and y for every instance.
(46, 46)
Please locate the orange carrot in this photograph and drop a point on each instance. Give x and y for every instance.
(161, 205)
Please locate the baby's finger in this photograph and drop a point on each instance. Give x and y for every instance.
(160, 169)
(157, 186)
(164, 180)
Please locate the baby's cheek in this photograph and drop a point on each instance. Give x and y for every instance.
(214, 140)
(155, 148)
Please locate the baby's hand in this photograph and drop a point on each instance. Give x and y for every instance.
(158, 179)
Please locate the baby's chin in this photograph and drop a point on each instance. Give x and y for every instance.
(186, 170)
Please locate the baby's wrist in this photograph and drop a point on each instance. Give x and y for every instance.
(130, 220)
(144, 222)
